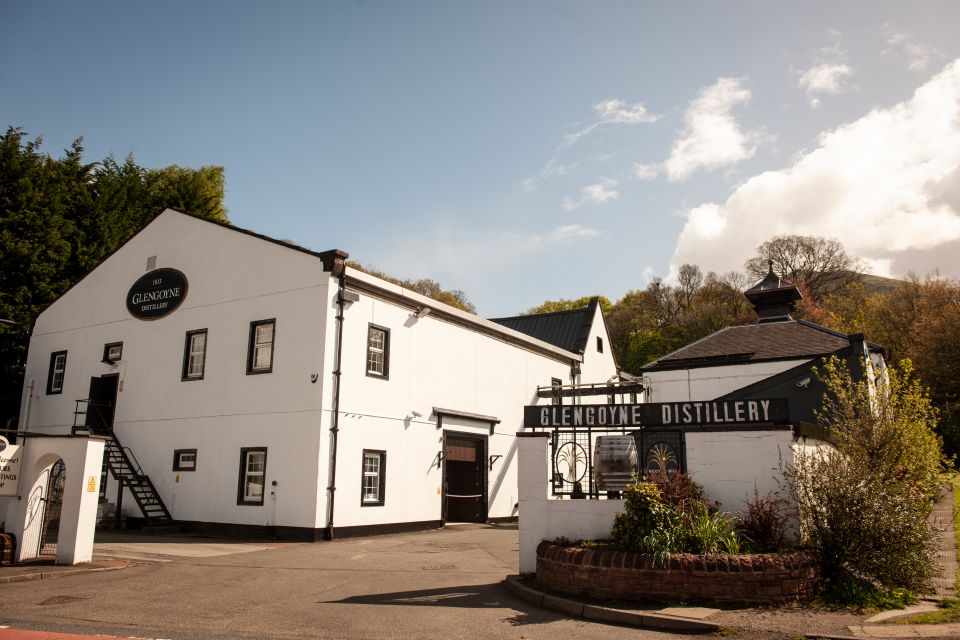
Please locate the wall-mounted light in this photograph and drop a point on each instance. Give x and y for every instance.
(347, 297)
(414, 414)
(803, 384)
(421, 312)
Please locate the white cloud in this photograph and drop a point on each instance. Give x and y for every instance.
(597, 193)
(552, 168)
(918, 55)
(612, 111)
(885, 185)
(712, 138)
(566, 234)
(825, 78)
(646, 171)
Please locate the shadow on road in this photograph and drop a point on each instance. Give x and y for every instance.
(483, 596)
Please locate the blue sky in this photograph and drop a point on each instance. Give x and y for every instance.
(523, 151)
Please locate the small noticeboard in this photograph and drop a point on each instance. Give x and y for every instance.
(10, 455)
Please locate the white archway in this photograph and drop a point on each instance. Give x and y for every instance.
(82, 457)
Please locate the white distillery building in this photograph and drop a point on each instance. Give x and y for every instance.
(256, 387)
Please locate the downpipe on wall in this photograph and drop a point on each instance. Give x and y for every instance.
(335, 423)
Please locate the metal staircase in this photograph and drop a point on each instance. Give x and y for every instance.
(123, 466)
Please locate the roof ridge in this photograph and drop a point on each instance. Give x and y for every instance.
(541, 315)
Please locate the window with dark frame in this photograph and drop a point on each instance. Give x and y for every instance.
(555, 385)
(599, 344)
(378, 351)
(185, 460)
(194, 355)
(373, 478)
(253, 475)
(58, 369)
(260, 350)
(112, 352)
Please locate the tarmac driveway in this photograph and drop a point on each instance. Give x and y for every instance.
(435, 584)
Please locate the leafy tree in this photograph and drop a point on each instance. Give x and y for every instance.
(563, 304)
(60, 217)
(424, 286)
(821, 264)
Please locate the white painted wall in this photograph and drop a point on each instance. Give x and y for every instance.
(434, 363)
(233, 279)
(542, 518)
(708, 383)
(729, 464)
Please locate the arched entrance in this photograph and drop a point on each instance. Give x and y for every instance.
(52, 507)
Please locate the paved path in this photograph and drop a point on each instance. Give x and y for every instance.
(941, 519)
(437, 584)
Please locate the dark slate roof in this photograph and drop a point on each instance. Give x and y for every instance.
(565, 329)
(755, 343)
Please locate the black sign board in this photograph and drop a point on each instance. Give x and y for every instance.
(658, 414)
(156, 294)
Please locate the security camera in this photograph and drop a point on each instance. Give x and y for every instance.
(313, 377)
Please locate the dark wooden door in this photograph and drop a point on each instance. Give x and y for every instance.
(465, 480)
(102, 404)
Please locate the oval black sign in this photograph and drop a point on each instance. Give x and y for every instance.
(156, 294)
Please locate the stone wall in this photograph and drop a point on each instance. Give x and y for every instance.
(766, 578)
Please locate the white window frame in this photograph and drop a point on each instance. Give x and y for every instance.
(193, 355)
(378, 352)
(248, 455)
(260, 347)
(185, 460)
(373, 479)
(58, 372)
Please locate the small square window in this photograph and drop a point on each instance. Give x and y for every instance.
(185, 460)
(112, 352)
(260, 350)
(378, 351)
(373, 478)
(253, 475)
(58, 369)
(194, 355)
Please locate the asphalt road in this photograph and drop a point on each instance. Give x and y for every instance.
(436, 584)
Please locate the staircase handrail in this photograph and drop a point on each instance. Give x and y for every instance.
(136, 463)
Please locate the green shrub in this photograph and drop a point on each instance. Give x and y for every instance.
(643, 513)
(857, 593)
(863, 524)
(649, 525)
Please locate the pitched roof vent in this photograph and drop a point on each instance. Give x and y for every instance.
(773, 297)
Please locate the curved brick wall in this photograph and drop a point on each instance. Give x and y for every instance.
(767, 578)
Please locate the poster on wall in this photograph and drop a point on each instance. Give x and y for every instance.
(10, 455)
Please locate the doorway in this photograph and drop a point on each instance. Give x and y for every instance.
(52, 506)
(102, 404)
(464, 478)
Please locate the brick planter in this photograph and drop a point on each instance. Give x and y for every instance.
(765, 578)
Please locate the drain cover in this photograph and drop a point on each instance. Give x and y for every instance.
(438, 567)
(62, 599)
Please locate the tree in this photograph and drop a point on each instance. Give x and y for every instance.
(563, 304)
(821, 264)
(60, 217)
(424, 286)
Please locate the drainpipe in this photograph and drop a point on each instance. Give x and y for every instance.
(335, 423)
(26, 410)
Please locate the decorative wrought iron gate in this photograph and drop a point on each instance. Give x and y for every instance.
(659, 452)
(53, 503)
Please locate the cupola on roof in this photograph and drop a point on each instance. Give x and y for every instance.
(773, 297)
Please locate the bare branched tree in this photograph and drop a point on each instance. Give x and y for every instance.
(821, 264)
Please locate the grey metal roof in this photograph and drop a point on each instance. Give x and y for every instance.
(565, 329)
